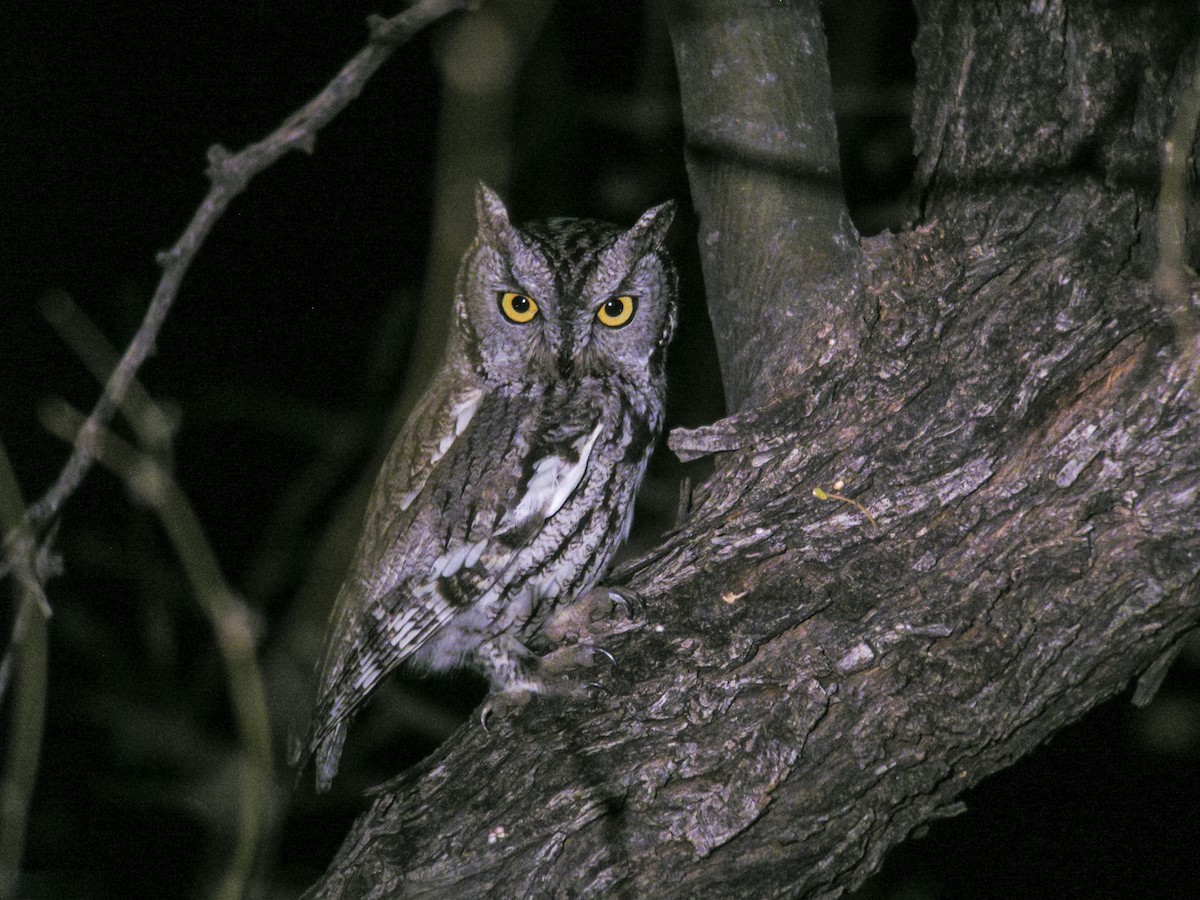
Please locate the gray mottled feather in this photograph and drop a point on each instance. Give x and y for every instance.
(512, 484)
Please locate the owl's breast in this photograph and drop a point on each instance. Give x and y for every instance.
(572, 548)
(526, 509)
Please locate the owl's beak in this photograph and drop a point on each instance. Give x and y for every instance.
(566, 363)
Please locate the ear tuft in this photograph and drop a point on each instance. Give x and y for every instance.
(490, 211)
(649, 232)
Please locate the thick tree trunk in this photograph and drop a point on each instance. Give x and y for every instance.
(807, 686)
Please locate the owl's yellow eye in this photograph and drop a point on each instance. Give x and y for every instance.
(617, 311)
(517, 307)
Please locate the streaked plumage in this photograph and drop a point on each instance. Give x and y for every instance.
(512, 484)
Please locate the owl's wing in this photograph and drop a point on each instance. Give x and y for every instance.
(484, 496)
(439, 417)
(437, 420)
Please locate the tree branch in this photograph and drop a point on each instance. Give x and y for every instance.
(229, 175)
(780, 254)
(232, 627)
(807, 689)
(1171, 272)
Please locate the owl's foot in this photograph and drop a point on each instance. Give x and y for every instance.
(553, 679)
(572, 656)
(591, 614)
(561, 665)
(513, 672)
(499, 705)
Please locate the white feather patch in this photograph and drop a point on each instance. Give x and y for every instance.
(452, 560)
(462, 411)
(476, 552)
(367, 677)
(409, 629)
(553, 481)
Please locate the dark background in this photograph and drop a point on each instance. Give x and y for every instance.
(281, 363)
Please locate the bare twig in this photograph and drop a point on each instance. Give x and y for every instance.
(27, 657)
(230, 620)
(229, 175)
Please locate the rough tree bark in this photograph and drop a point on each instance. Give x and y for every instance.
(998, 386)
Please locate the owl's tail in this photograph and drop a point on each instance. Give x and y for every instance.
(328, 752)
(325, 751)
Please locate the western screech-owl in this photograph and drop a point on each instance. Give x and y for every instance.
(512, 484)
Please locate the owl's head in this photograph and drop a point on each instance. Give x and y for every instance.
(564, 298)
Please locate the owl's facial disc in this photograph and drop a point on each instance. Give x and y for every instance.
(565, 298)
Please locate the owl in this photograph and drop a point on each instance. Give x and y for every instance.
(512, 484)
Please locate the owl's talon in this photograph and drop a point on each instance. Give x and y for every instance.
(612, 659)
(573, 620)
(572, 656)
(501, 705)
(631, 600)
(590, 614)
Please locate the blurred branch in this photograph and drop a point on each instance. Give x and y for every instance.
(229, 175)
(1172, 275)
(26, 655)
(152, 428)
(230, 619)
